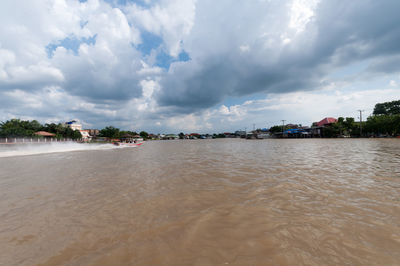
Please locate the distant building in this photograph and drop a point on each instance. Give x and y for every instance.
(326, 121)
(229, 135)
(194, 135)
(85, 135)
(153, 136)
(45, 134)
(291, 126)
(93, 132)
(240, 133)
(74, 125)
(170, 137)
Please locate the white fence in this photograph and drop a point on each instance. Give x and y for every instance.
(32, 140)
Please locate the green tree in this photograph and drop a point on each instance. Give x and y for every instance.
(22, 128)
(275, 129)
(331, 131)
(144, 134)
(76, 135)
(387, 108)
(181, 135)
(19, 128)
(349, 126)
(220, 136)
(110, 132)
(383, 125)
(278, 128)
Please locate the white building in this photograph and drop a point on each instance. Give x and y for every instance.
(74, 125)
(85, 135)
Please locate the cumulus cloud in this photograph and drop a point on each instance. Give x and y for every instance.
(164, 64)
(317, 39)
(172, 20)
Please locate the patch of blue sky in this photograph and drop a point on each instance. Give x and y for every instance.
(116, 3)
(83, 23)
(150, 41)
(371, 84)
(349, 70)
(70, 43)
(231, 101)
(164, 60)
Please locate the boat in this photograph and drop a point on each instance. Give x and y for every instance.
(134, 143)
(130, 144)
(128, 140)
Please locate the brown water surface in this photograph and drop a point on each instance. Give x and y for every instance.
(205, 202)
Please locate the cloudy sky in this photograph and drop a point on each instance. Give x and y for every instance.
(196, 66)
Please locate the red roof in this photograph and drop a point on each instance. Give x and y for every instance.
(45, 134)
(327, 121)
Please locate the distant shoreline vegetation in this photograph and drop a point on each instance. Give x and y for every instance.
(16, 128)
(384, 122)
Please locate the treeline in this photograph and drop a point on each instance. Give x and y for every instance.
(344, 127)
(113, 132)
(17, 128)
(384, 121)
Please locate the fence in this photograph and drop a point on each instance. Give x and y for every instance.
(32, 140)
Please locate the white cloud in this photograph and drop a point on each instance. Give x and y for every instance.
(244, 48)
(301, 12)
(302, 107)
(241, 49)
(172, 20)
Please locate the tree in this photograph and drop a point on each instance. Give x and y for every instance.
(125, 132)
(383, 125)
(181, 135)
(278, 128)
(387, 108)
(19, 128)
(275, 129)
(332, 130)
(76, 134)
(110, 132)
(349, 126)
(220, 135)
(144, 134)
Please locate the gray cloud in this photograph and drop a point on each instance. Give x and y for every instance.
(237, 49)
(340, 33)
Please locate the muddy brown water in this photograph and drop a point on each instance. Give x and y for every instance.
(205, 202)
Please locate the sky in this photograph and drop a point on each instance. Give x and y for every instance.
(169, 66)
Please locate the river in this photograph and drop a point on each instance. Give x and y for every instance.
(203, 202)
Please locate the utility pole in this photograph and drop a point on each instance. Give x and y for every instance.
(283, 125)
(360, 121)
